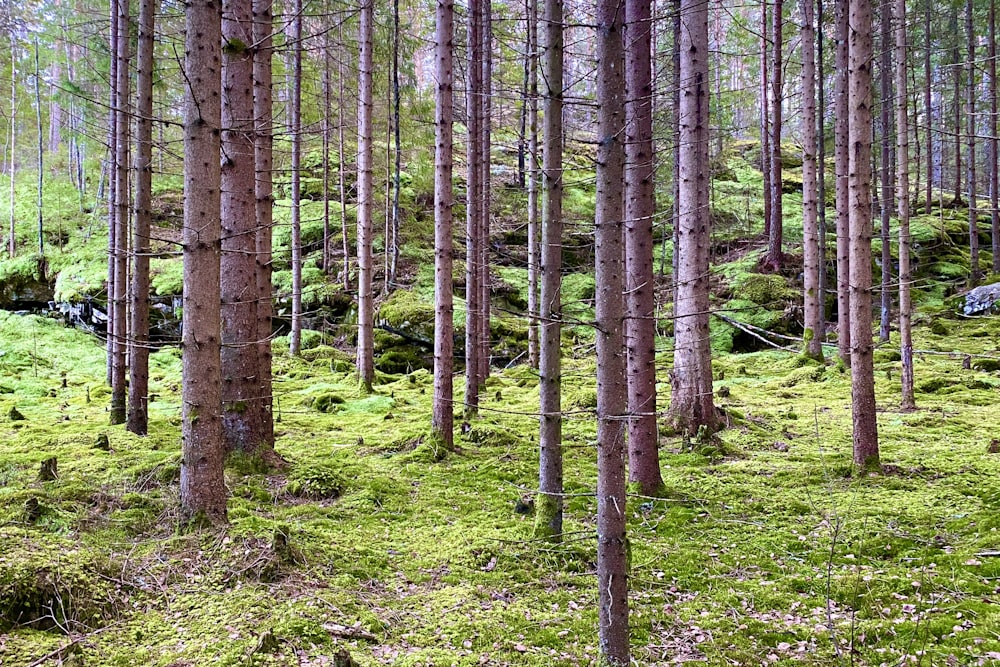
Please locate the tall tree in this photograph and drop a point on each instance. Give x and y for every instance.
(342, 167)
(841, 155)
(866, 451)
(242, 408)
(765, 113)
(928, 109)
(203, 488)
(263, 209)
(774, 239)
(473, 208)
(119, 321)
(442, 419)
(640, 326)
(812, 264)
(903, 204)
(366, 308)
(485, 162)
(112, 166)
(994, 143)
(12, 144)
(397, 150)
(691, 405)
(821, 171)
(885, 163)
(295, 127)
(532, 181)
(138, 386)
(970, 160)
(549, 504)
(612, 565)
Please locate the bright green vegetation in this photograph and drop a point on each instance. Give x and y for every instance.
(373, 541)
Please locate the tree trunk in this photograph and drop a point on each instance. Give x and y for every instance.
(242, 410)
(928, 110)
(970, 115)
(295, 127)
(533, 250)
(765, 124)
(994, 143)
(138, 386)
(112, 179)
(203, 486)
(366, 195)
(640, 207)
(612, 558)
(841, 158)
(264, 208)
(903, 204)
(812, 265)
(885, 119)
(473, 208)
(119, 330)
(12, 236)
(397, 149)
(341, 170)
(956, 66)
(549, 504)
(327, 136)
(442, 419)
(866, 454)
(485, 162)
(774, 240)
(821, 172)
(691, 406)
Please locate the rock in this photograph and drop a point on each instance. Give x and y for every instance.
(15, 415)
(982, 300)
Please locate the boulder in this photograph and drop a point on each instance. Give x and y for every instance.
(982, 300)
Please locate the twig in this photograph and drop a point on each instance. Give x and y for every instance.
(58, 653)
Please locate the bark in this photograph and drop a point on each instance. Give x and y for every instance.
(485, 145)
(885, 120)
(841, 159)
(640, 326)
(956, 67)
(865, 434)
(473, 208)
(821, 160)
(532, 176)
(691, 406)
(812, 265)
(994, 143)
(264, 207)
(112, 181)
(765, 124)
(341, 143)
(327, 136)
(295, 127)
(928, 109)
(203, 489)
(774, 240)
(397, 149)
(442, 419)
(970, 115)
(612, 559)
(138, 386)
(366, 196)
(549, 504)
(903, 204)
(119, 323)
(12, 141)
(41, 153)
(242, 410)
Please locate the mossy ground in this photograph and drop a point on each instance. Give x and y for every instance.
(772, 553)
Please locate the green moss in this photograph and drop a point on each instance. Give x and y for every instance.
(762, 289)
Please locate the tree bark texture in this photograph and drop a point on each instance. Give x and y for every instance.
(776, 228)
(994, 143)
(366, 196)
(119, 321)
(885, 166)
(442, 418)
(903, 207)
(691, 405)
(865, 434)
(295, 127)
(532, 178)
(473, 207)
(812, 264)
(841, 155)
(612, 404)
(203, 490)
(549, 504)
(970, 116)
(640, 326)
(138, 386)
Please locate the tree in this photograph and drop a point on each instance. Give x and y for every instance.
(295, 127)
(903, 204)
(612, 559)
(812, 264)
(885, 166)
(473, 207)
(549, 504)
(765, 124)
(366, 308)
(442, 419)
(532, 181)
(841, 156)
(119, 322)
(242, 408)
(691, 405)
(774, 240)
(138, 386)
(866, 452)
(203, 489)
(263, 209)
(485, 146)
(994, 143)
(970, 116)
(640, 325)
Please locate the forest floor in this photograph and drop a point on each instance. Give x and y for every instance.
(766, 550)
